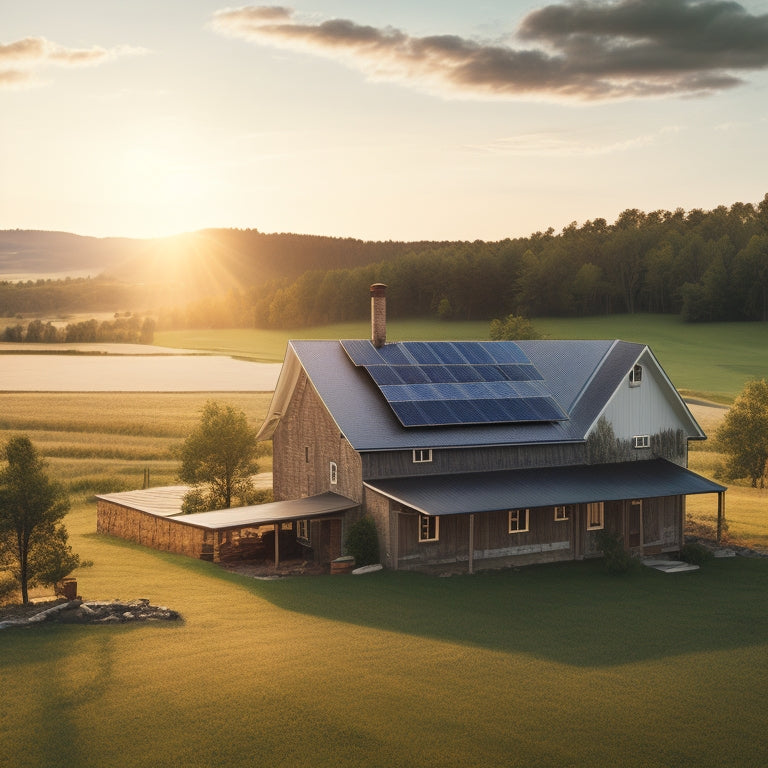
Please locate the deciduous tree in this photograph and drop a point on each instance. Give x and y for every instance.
(743, 435)
(218, 459)
(33, 541)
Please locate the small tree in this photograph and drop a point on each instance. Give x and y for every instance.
(743, 434)
(218, 459)
(513, 328)
(33, 542)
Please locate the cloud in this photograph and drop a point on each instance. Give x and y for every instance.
(585, 49)
(22, 59)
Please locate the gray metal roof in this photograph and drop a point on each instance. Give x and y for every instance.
(582, 375)
(160, 501)
(542, 487)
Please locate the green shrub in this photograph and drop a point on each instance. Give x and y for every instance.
(363, 542)
(695, 553)
(615, 558)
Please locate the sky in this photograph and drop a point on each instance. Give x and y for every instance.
(382, 120)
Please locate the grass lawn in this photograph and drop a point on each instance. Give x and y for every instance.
(712, 361)
(546, 666)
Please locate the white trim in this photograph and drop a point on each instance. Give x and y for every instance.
(636, 375)
(641, 441)
(651, 360)
(422, 455)
(303, 529)
(429, 520)
(520, 527)
(333, 471)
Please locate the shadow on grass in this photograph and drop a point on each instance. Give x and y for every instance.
(571, 613)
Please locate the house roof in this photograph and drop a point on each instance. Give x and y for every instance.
(166, 502)
(581, 376)
(542, 487)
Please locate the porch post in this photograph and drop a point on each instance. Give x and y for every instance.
(720, 514)
(471, 542)
(277, 545)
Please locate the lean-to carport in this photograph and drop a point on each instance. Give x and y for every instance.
(153, 518)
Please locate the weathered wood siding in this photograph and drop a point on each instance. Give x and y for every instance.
(445, 461)
(162, 533)
(305, 443)
(546, 540)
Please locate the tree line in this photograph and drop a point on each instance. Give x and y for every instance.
(705, 266)
(128, 329)
(702, 265)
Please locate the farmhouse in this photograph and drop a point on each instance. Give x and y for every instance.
(485, 453)
(478, 453)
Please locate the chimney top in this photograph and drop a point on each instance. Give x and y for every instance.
(378, 315)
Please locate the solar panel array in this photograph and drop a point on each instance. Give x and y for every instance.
(438, 383)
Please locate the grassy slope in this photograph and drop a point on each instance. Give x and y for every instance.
(711, 361)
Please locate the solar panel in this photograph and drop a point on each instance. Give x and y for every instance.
(443, 383)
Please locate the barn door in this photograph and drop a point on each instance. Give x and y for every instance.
(635, 524)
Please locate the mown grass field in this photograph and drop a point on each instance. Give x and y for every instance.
(711, 361)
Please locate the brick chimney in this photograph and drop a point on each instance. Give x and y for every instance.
(378, 314)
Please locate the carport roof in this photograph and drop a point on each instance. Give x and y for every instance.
(542, 487)
(160, 502)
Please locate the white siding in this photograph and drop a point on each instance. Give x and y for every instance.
(648, 408)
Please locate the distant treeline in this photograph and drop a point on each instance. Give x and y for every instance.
(122, 330)
(704, 265)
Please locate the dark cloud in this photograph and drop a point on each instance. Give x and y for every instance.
(20, 59)
(583, 50)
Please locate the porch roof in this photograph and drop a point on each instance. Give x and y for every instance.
(542, 487)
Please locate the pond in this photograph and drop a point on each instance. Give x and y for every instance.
(134, 373)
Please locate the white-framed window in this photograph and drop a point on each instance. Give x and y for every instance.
(334, 473)
(429, 528)
(422, 455)
(562, 513)
(636, 376)
(641, 441)
(595, 516)
(518, 520)
(302, 530)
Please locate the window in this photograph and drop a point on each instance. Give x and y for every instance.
(641, 441)
(636, 376)
(429, 528)
(302, 530)
(306, 454)
(595, 516)
(334, 473)
(422, 455)
(561, 513)
(518, 520)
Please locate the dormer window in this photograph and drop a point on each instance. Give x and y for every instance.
(636, 376)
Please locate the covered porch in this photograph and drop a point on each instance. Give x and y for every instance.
(538, 515)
